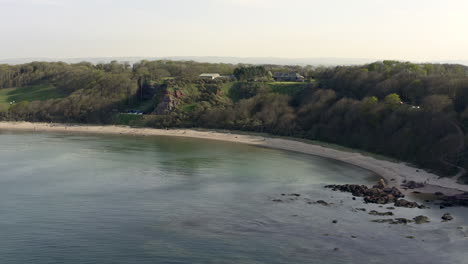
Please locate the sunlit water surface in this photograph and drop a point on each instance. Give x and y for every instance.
(121, 199)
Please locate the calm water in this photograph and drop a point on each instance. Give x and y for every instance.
(107, 199)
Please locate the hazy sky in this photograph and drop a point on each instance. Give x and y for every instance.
(377, 29)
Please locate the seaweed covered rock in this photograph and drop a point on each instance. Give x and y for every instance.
(408, 204)
(421, 219)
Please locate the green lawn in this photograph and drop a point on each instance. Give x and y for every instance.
(29, 93)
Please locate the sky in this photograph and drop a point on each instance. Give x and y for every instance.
(420, 30)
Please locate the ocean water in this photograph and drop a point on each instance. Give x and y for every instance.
(71, 198)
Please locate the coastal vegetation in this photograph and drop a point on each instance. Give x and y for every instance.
(412, 112)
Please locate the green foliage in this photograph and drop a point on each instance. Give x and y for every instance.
(128, 119)
(252, 73)
(341, 105)
(392, 99)
(38, 92)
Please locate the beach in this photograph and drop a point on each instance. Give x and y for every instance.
(393, 172)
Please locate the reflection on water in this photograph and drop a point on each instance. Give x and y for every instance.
(118, 199)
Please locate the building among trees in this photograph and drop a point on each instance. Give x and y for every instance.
(209, 76)
(288, 77)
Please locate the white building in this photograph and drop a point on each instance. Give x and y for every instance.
(209, 76)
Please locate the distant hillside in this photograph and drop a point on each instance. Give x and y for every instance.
(214, 59)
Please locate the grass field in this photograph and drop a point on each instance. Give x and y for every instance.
(29, 93)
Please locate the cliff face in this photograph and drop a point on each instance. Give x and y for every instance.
(169, 102)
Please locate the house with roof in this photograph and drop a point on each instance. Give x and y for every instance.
(209, 76)
(288, 77)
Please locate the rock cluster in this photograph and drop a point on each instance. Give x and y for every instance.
(403, 221)
(379, 193)
(408, 204)
(447, 217)
(413, 185)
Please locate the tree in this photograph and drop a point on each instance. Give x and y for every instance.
(437, 103)
(392, 99)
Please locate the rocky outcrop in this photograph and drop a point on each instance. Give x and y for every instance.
(421, 219)
(413, 185)
(379, 193)
(408, 204)
(169, 102)
(447, 217)
(373, 212)
(396, 221)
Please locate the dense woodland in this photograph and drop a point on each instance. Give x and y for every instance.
(412, 112)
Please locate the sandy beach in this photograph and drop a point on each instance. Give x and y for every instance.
(393, 173)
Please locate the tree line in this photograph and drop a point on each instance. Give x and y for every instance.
(412, 112)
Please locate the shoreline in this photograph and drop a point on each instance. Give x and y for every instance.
(394, 173)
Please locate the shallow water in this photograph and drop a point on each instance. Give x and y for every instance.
(121, 199)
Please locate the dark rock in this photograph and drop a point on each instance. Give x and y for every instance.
(383, 221)
(361, 209)
(335, 221)
(336, 249)
(354, 198)
(413, 185)
(401, 221)
(447, 217)
(421, 219)
(294, 194)
(397, 221)
(408, 204)
(390, 208)
(379, 193)
(380, 214)
(277, 200)
(322, 202)
(410, 237)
